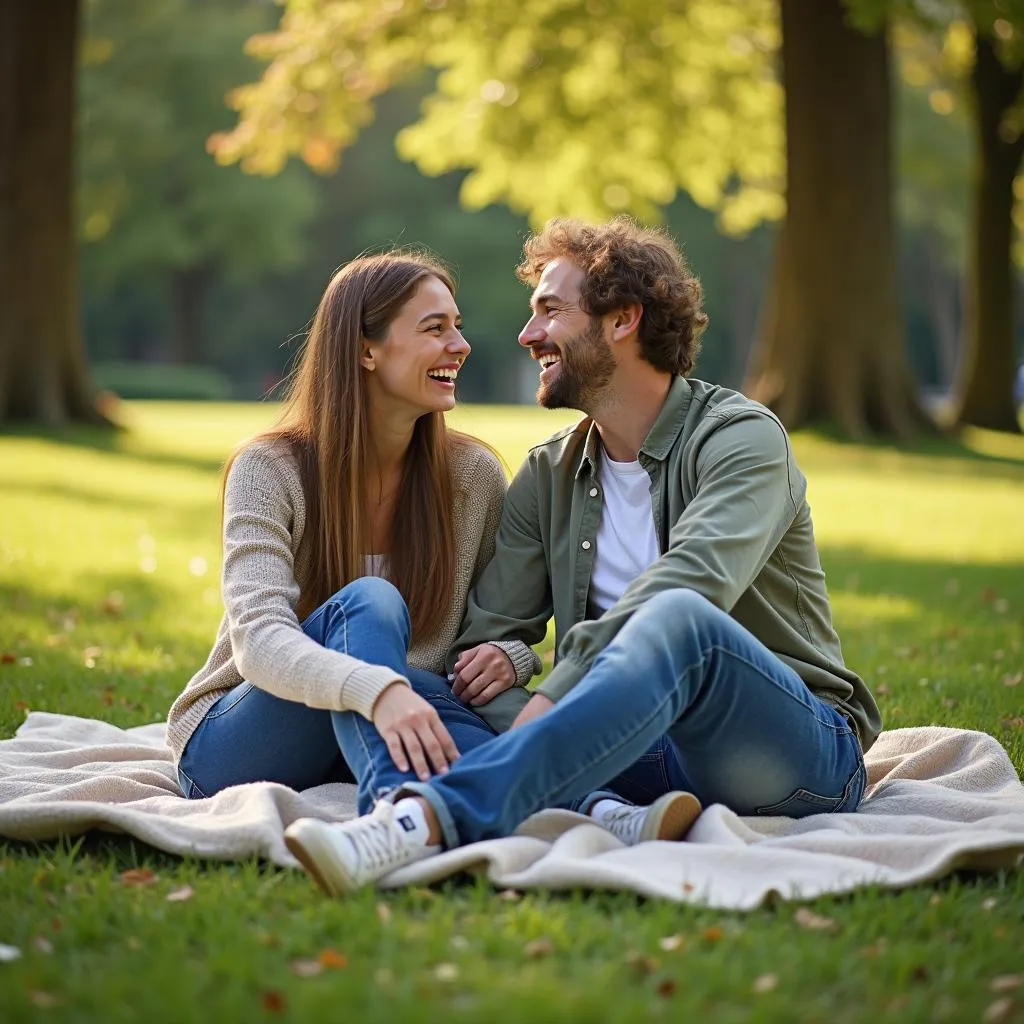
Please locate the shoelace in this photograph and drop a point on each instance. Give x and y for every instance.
(625, 822)
(376, 843)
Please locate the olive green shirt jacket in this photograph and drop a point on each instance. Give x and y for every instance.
(733, 524)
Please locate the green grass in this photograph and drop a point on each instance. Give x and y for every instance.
(108, 601)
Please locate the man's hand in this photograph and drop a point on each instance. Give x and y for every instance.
(481, 673)
(536, 706)
(413, 731)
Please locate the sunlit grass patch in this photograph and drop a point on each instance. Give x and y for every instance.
(109, 566)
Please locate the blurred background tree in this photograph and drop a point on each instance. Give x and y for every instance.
(575, 106)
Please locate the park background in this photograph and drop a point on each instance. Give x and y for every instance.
(159, 245)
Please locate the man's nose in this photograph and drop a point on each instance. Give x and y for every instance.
(532, 332)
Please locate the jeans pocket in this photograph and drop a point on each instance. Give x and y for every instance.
(228, 701)
(802, 803)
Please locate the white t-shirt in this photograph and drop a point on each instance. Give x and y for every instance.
(627, 541)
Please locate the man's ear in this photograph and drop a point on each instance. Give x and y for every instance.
(627, 321)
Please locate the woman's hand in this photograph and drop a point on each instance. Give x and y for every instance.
(481, 673)
(414, 732)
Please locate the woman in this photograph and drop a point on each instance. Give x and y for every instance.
(360, 480)
(352, 534)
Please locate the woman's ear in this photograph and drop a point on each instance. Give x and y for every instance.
(366, 360)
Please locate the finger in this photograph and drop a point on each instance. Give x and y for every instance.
(397, 752)
(444, 737)
(464, 659)
(490, 692)
(415, 749)
(475, 688)
(432, 748)
(458, 684)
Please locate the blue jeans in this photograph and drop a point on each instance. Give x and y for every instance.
(739, 727)
(250, 735)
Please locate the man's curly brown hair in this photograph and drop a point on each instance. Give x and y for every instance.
(624, 262)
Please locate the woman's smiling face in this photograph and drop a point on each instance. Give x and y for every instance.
(413, 370)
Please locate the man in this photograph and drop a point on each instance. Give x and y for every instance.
(669, 534)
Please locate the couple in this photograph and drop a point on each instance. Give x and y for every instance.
(367, 550)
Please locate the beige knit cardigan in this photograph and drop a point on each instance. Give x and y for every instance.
(265, 565)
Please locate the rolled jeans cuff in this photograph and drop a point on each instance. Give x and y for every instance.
(423, 789)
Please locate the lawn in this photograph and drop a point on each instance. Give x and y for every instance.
(109, 559)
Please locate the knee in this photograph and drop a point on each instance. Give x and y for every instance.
(682, 604)
(375, 596)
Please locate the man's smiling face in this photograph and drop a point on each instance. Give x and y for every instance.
(569, 344)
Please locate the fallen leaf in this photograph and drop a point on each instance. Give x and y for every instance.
(919, 973)
(989, 594)
(7, 658)
(186, 892)
(384, 976)
(1006, 983)
(948, 702)
(1001, 606)
(43, 945)
(641, 963)
(688, 887)
(999, 1010)
(306, 968)
(139, 877)
(537, 948)
(1013, 679)
(510, 895)
(133, 943)
(814, 922)
(766, 983)
(671, 943)
(935, 900)
(44, 1000)
(990, 904)
(384, 913)
(334, 960)
(113, 603)
(273, 1001)
(460, 942)
(9, 953)
(713, 934)
(446, 972)
(268, 939)
(1013, 723)
(20, 705)
(666, 987)
(881, 690)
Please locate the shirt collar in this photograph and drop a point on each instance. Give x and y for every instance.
(662, 436)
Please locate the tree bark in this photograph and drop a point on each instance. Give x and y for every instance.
(831, 346)
(43, 376)
(985, 380)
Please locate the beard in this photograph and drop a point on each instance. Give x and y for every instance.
(586, 369)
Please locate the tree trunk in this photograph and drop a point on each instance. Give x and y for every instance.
(985, 391)
(43, 375)
(831, 346)
(188, 287)
(944, 288)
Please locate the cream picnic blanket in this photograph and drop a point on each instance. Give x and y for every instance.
(938, 800)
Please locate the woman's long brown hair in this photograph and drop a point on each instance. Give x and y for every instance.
(325, 421)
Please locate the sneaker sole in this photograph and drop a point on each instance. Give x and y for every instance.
(671, 817)
(306, 845)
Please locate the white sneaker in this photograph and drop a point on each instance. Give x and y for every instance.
(345, 856)
(670, 817)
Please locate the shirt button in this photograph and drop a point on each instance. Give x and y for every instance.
(585, 545)
(593, 492)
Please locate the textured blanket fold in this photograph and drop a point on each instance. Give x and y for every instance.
(938, 800)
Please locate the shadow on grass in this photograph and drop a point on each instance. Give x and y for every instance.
(940, 446)
(113, 442)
